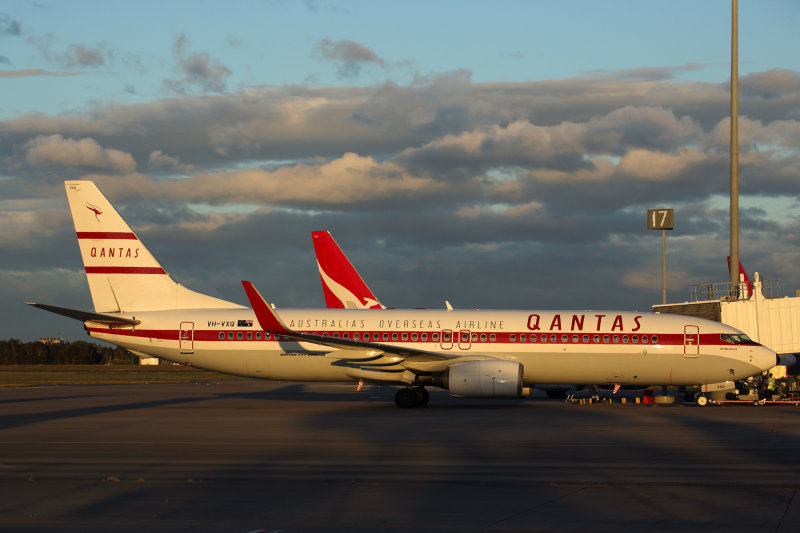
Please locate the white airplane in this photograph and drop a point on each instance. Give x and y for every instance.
(471, 353)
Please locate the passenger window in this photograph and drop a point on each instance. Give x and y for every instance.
(492, 337)
(258, 335)
(586, 338)
(345, 335)
(644, 339)
(424, 337)
(239, 335)
(553, 338)
(483, 337)
(413, 336)
(605, 338)
(446, 337)
(336, 334)
(435, 337)
(655, 339)
(625, 339)
(386, 336)
(616, 339)
(564, 338)
(249, 335)
(575, 338)
(221, 336)
(230, 335)
(522, 338)
(394, 336)
(405, 336)
(474, 337)
(636, 339)
(512, 337)
(355, 336)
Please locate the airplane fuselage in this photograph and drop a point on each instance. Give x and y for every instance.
(580, 347)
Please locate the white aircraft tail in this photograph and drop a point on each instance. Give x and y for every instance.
(123, 275)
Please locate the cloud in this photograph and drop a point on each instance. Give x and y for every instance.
(159, 160)
(26, 73)
(9, 26)
(76, 55)
(55, 149)
(199, 71)
(349, 55)
(351, 179)
(646, 73)
(770, 84)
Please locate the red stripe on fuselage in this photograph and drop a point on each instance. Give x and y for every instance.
(107, 235)
(668, 339)
(125, 270)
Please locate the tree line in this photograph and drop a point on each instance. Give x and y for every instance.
(15, 352)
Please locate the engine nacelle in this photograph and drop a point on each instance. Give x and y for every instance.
(485, 379)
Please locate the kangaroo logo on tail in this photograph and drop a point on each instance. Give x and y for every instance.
(94, 209)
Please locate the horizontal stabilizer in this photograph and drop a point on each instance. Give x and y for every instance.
(86, 316)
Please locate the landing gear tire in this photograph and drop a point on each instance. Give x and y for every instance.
(422, 396)
(702, 400)
(405, 398)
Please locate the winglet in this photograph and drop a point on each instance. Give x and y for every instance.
(267, 318)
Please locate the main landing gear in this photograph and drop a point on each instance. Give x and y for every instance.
(411, 397)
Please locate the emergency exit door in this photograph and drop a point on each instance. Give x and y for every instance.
(186, 337)
(691, 341)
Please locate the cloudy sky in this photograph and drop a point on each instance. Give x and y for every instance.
(494, 154)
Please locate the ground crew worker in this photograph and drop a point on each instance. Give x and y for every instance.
(770, 386)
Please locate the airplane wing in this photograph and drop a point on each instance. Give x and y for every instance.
(86, 316)
(355, 350)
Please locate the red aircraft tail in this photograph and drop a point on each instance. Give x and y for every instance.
(746, 277)
(343, 287)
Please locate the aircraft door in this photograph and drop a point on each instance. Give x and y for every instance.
(447, 339)
(464, 341)
(186, 337)
(691, 341)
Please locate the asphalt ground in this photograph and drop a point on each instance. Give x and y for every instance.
(250, 455)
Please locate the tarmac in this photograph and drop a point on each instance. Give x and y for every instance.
(247, 455)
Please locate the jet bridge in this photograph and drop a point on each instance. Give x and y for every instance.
(755, 308)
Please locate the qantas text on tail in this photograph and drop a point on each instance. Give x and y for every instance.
(472, 353)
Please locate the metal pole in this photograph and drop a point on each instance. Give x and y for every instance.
(663, 266)
(734, 146)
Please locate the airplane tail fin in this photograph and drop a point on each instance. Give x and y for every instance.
(746, 278)
(342, 285)
(123, 275)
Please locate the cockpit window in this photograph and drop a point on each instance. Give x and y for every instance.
(736, 338)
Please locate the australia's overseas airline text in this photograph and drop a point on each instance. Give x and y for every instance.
(534, 322)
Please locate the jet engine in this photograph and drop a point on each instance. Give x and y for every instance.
(490, 378)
